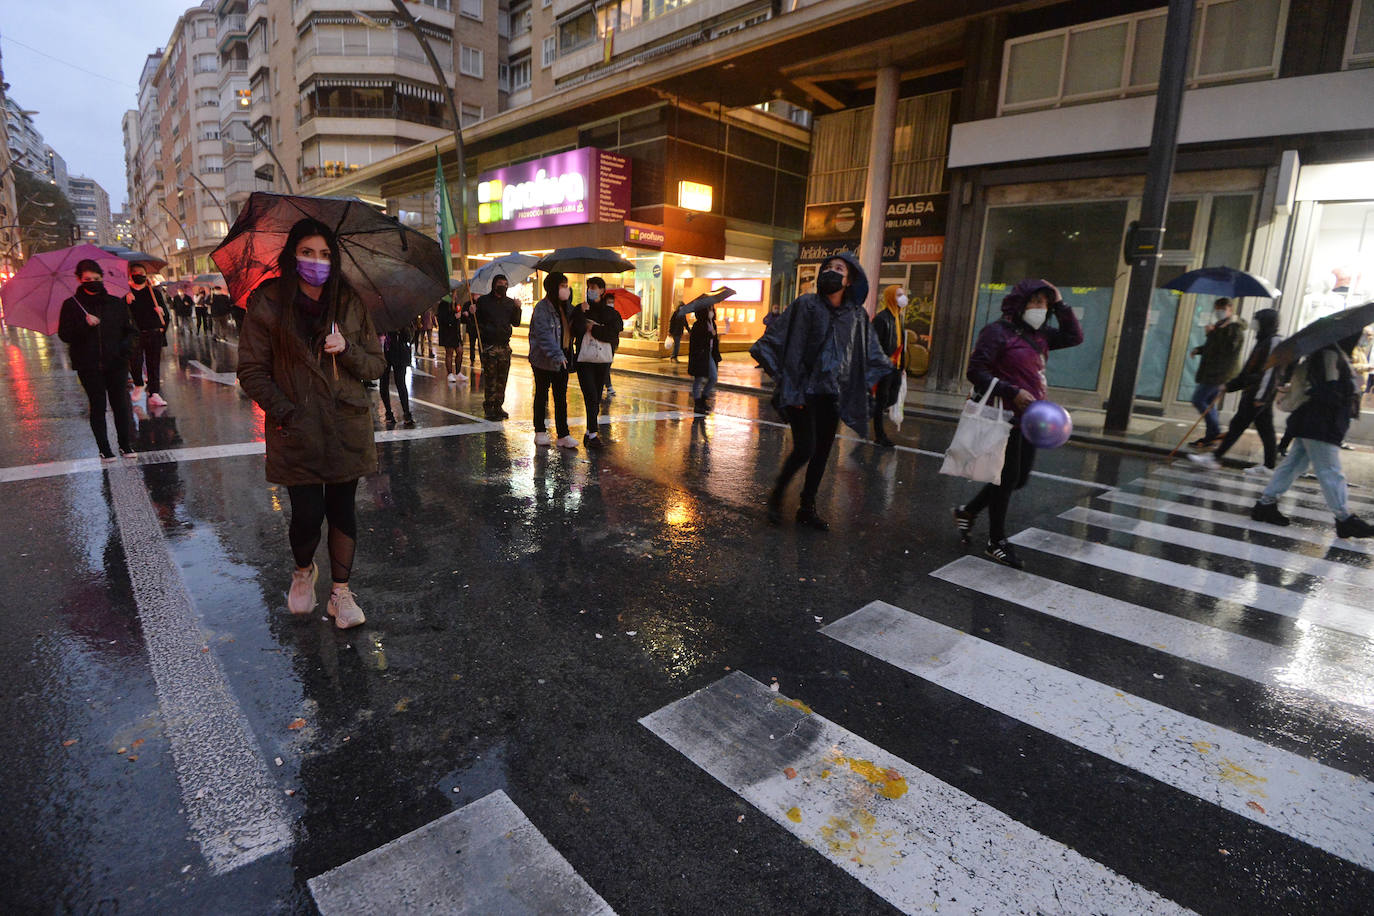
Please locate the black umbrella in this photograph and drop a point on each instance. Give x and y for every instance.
(134, 257)
(582, 259)
(1322, 333)
(1223, 281)
(714, 297)
(396, 271)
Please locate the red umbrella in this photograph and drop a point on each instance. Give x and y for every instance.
(33, 297)
(628, 304)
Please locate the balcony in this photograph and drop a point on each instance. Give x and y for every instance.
(232, 28)
(562, 8)
(413, 67)
(520, 43)
(394, 114)
(379, 9)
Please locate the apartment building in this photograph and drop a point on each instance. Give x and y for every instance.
(91, 204)
(9, 202)
(143, 163)
(23, 140)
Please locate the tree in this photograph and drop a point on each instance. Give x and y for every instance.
(42, 203)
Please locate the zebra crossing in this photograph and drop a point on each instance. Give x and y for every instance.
(1159, 548)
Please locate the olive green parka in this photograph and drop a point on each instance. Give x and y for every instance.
(319, 416)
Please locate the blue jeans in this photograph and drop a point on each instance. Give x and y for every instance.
(703, 386)
(1203, 395)
(1326, 463)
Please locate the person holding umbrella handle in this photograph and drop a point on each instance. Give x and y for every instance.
(100, 336)
(319, 433)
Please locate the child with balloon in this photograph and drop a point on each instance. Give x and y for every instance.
(1011, 354)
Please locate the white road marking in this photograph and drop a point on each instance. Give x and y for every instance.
(1322, 537)
(1313, 609)
(203, 371)
(233, 804)
(1308, 801)
(919, 843)
(1308, 496)
(484, 858)
(1253, 659)
(1342, 581)
(1234, 499)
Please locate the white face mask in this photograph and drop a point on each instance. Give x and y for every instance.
(1035, 317)
(1220, 315)
(902, 301)
(564, 292)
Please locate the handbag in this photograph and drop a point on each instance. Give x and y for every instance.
(980, 441)
(593, 350)
(896, 411)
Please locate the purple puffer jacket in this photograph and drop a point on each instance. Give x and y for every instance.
(1010, 351)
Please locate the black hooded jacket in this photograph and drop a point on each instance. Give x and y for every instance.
(1258, 383)
(107, 344)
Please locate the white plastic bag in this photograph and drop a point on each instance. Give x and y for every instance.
(897, 412)
(980, 441)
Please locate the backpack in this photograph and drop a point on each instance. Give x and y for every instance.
(1296, 393)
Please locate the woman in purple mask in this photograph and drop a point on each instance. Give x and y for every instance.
(306, 350)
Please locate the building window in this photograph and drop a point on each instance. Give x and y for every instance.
(549, 49)
(503, 77)
(471, 9)
(520, 73)
(469, 61)
(577, 33)
(1111, 58)
(470, 114)
(1359, 46)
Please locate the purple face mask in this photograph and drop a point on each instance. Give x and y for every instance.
(312, 271)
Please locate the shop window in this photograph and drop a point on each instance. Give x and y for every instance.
(692, 163)
(1075, 246)
(748, 191)
(1228, 233)
(1359, 48)
(1178, 225)
(1232, 39)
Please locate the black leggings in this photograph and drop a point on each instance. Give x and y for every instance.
(996, 497)
(591, 378)
(108, 384)
(311, 504)
(813, 434)
(398, 369)
(1263, 419)
(556, 379)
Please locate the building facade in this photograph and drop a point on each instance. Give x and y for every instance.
(9, 203)
(91, 204)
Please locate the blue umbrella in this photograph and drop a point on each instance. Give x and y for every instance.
(515, 267)
(1223, 281)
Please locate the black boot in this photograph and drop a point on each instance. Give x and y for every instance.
(806, 515)
(1269, 512)
(1353, 527)
(699, 405)
(879, 436)
(775, 506)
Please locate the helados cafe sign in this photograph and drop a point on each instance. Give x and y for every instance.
(913, 230)
(585, 185)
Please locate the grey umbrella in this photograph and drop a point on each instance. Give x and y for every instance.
(582, 259)
(714, 297)
(1322, 333)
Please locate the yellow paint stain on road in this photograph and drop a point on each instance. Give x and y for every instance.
(858, 839)
(890, 783)
(795, 704)
(1233, 772)
(1203, 747)
(794, 814)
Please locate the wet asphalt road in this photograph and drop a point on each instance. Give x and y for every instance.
(527, 607)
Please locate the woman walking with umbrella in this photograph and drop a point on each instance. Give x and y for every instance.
(308, 346)
(551, 345)
(100, 335)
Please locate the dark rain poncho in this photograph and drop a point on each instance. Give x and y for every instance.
(813, 349)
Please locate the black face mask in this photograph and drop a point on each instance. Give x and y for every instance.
(499, 290)
(829, 282)
(137, 280)
(93, 287)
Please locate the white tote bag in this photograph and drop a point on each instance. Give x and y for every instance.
(980, 441)
(897, 412)
(593, 350)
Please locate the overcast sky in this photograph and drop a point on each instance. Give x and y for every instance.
(82, 95)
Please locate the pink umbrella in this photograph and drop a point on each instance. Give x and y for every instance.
(33, 297)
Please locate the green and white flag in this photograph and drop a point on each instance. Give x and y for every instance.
(443, 212)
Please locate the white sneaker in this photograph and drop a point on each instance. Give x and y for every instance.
(300, 598)
(1257, 470)
(461, 378)
(344, 609)
(567, 442)
(155, 400)
(542, 438)
(1205, 460)
(452, 377)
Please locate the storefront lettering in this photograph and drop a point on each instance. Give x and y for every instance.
(541, 192)
(581, 186)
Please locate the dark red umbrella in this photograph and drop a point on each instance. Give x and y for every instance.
(396, 271)
(625, 302)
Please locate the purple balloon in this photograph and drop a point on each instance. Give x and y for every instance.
(1046, 425)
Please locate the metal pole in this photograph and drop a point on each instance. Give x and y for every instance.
(879, 182)
(184, 231)
(458, 151)
(267, 146)
(1145, 241)
(209, 191)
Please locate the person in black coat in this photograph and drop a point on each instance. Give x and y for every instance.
(396, 350)
(100, 336)
(677, 326)
(1319, 425)
(150, 313)
(596, 327)
(1257, 403)
(450, 338)
(703, 357)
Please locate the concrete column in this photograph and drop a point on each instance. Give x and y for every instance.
(879, 180)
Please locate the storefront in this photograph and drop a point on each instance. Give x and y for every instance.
(913, 250)
(583, 197)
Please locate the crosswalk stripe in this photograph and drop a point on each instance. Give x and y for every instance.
(1307, 484)
(1323, 612)
(483, 858)
(1234, 499)
(1253, 659)
(1342, 581)
(1324, 537)
(1305, 496)
(1272, 787)
(919, 843)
